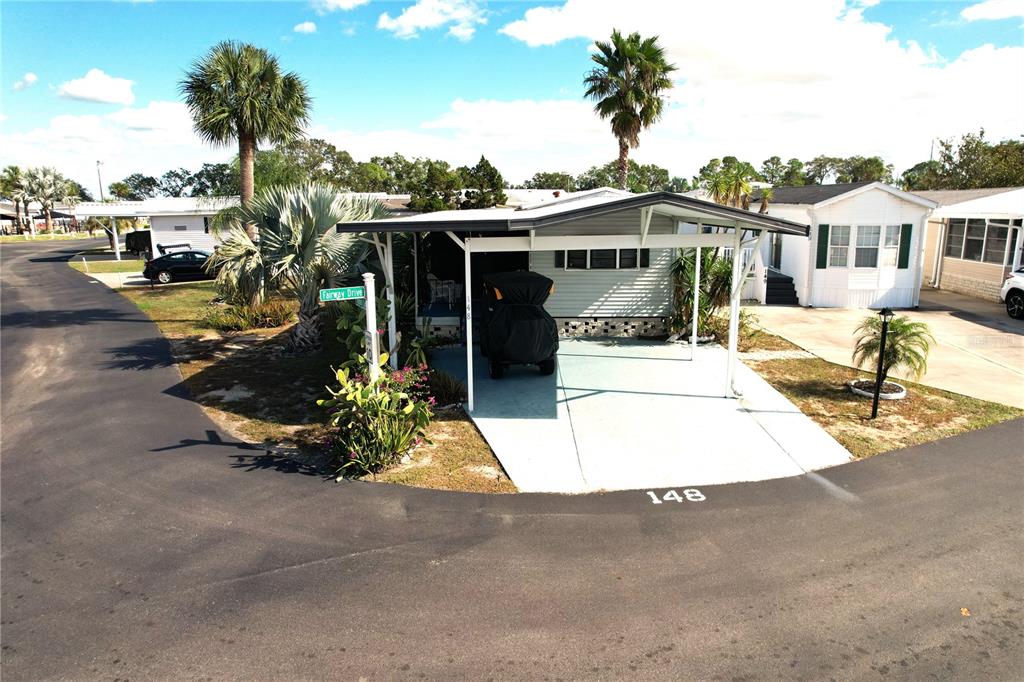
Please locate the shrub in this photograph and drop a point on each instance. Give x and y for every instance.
(446, 389)
(350, 321)
(749, 331)
(377, 421)
(234, 318)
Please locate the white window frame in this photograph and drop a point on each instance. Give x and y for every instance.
(857, 246)
(618, 252)
(832, 248)
(890, 252)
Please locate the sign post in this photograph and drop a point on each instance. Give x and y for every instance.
(372, 340)
(369, 292)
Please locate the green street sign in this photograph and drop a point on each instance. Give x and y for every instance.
(342, 294)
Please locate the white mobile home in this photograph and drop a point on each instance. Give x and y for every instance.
(864, 249)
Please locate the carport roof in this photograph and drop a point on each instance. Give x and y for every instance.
(577, 207)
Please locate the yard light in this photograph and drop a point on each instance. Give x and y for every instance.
(886, 314)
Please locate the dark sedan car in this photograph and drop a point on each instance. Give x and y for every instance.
(178, 266)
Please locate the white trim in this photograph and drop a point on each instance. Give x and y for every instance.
(588, 242)
(736, 288)
(468, 295)
(645, 223)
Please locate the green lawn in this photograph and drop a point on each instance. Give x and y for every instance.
(43, 237)
(818, 388)
(128, 265)
(178, 310)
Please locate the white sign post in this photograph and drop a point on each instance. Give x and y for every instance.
(372, 340)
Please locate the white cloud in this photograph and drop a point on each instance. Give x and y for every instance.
(461, 17)
(833, 83)
(150, 139)
(97, 86)
(305, 27)
(994, 9)
(26, 81)
(325, 6)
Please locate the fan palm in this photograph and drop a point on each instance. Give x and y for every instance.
(627, 86)
(238, 92)
(48, 187)
(907, 344)
(298, 253)
(767, 195)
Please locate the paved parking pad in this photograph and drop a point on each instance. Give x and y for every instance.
(628, 414)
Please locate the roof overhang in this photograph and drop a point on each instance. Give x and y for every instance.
(664, 203)
(899, 194)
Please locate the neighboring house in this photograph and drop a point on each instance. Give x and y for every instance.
(975, 239)
(864, 249)
(178, 223)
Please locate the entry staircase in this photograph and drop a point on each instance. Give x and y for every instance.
(779, 289)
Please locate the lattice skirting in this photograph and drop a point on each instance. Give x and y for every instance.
(611, 326)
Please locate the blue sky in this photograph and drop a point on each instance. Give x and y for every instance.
(460, 78)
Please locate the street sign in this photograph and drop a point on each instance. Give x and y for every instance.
(342, 294)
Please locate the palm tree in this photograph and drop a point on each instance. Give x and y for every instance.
(767, 194)
(237, 92)
(907, 344)
(12, 186)
(298, 253)
(48, 187)
(715, 284)
(627, 86)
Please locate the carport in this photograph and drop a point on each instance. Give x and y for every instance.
(700, 224)
(623, 413)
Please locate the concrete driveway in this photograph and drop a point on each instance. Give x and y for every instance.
(623, 414)
(979, 350)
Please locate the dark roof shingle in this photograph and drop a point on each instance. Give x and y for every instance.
(809, 194)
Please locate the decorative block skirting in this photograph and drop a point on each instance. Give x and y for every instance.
(444, 331)
(569, 327)
(971, 286)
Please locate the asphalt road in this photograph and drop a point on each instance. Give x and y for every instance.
(138, 543)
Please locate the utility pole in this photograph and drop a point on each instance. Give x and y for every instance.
(99, 179)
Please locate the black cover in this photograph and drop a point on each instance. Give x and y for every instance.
(516, 328)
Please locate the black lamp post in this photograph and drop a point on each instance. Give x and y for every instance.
(886, 314)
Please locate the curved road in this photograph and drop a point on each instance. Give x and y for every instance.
(138, 543)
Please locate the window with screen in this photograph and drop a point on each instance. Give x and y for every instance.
(974, 239)
(955, 237)
(576, 260)
(180, 228)
(838, 246)
(995, 243)
(627, 258)
(866, 255)
(891, 245)
(603, 259)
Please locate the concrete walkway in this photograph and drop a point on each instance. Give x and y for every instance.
(979, 349)
(624, 414)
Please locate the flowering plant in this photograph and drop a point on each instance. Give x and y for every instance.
(379, 420)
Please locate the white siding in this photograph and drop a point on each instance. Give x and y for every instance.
(853, 287)
(194, 233)
(646, 292)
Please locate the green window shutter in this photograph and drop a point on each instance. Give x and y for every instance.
(822, 247)
(903, 259)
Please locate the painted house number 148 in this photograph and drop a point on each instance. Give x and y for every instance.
(690, 494)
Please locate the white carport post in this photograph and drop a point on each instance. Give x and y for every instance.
(392, 313)
(1017, 245)
(468, 293)
(117, 242)
(735, 291)
(696, 303)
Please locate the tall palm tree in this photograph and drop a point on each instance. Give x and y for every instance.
(12, 186)
(298, 253)
(238, 92)
(767, 195)
(627, 86)
(48, 187)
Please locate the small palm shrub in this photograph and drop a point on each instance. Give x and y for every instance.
(907, 344)
(748, 328)
(378, 421)
(236, 318)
